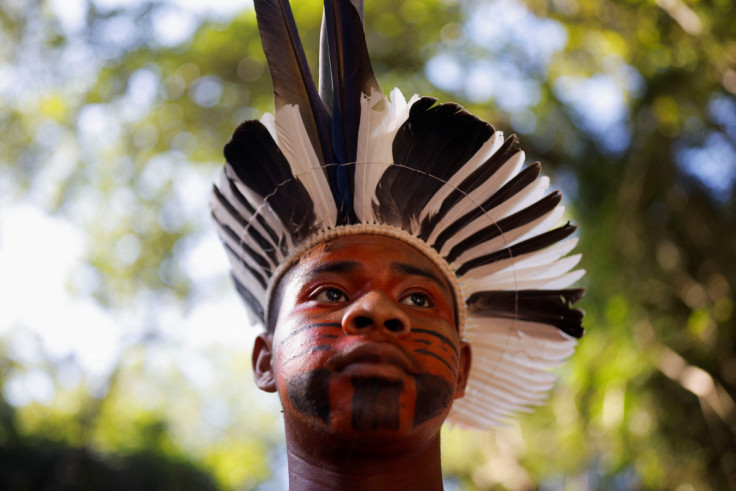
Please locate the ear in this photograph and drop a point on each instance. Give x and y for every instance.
(463, 371)
(262, 358)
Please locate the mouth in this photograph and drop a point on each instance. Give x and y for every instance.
(373, 360)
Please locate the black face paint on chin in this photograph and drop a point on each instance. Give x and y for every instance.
(310, 393)
(434, 395)
(376, 404)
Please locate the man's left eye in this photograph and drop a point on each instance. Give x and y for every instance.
(417, 300)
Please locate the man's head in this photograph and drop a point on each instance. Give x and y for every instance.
(365, 341)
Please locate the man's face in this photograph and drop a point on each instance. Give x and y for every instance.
(365, 342)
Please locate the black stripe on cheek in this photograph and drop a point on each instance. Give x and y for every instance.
(311, 326)
(439, 336)
(321, 347)
(429, 353)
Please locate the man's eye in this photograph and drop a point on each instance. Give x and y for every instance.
(331, 295)
(417, 300)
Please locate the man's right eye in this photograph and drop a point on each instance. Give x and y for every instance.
(331, 295)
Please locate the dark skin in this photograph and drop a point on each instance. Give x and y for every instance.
(367, 359)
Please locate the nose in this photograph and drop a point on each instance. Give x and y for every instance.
(375, 311)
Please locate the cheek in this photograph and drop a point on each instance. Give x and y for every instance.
(436, 351)
(306, 347)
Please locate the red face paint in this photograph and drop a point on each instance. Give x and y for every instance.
(366, 339)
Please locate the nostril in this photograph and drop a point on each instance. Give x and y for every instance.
(394, 325)
(362, 321)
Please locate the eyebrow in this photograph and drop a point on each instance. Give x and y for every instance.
(335, 267)
(410, 269)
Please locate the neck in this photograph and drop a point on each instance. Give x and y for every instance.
(323, 464)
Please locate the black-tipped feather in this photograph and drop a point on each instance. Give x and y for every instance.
(256, 159)
(292, 79)
(267, 246)
(249, 299)
(258, 163)
(257, 275)
(234, 193)
(530, 245)
(435, 141)
(236, 239)
(472, 182)
(522, 217)
(516, 184)
(553, 307)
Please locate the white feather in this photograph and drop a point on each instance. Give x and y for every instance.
(373, 115)
(498, 408)
(481, 325)
(505, 355)
(512, 394)
(489, 396)
(535, 349)
(558, 283)
(462, 416)
(380, 119)
(269, 122)
(294, 143)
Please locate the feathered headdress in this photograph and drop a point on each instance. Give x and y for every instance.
(345, 159)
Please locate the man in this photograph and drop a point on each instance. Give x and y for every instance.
(367, 360)
(381, 242)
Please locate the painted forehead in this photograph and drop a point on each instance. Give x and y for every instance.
(359, 252)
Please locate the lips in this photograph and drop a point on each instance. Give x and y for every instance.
(368, 357)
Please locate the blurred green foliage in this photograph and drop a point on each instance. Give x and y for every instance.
(107, 126)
